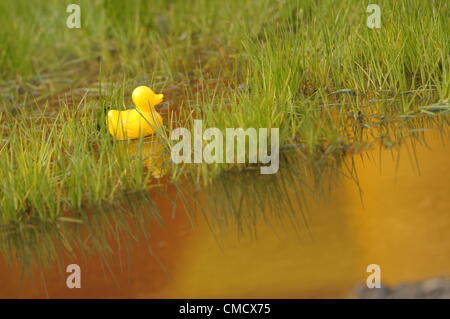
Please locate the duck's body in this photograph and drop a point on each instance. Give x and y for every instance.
(142, 121)
(132, 124)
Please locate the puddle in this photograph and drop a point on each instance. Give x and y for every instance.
(285, 236)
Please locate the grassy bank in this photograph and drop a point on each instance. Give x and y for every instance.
(313, 69)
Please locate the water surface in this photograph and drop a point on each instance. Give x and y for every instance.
(285, 236)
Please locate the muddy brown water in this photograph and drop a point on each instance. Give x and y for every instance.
(396, 215)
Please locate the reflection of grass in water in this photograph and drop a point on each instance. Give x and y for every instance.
(240, 199)
(38, 246)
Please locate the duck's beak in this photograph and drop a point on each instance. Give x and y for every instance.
(158, 98)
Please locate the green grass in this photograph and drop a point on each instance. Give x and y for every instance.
(232, 63)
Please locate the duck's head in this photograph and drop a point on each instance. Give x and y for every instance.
(145, 99)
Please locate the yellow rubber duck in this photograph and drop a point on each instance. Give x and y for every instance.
(141, 121)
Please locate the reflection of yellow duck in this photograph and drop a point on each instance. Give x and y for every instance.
(152, 154)
(142, 121)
